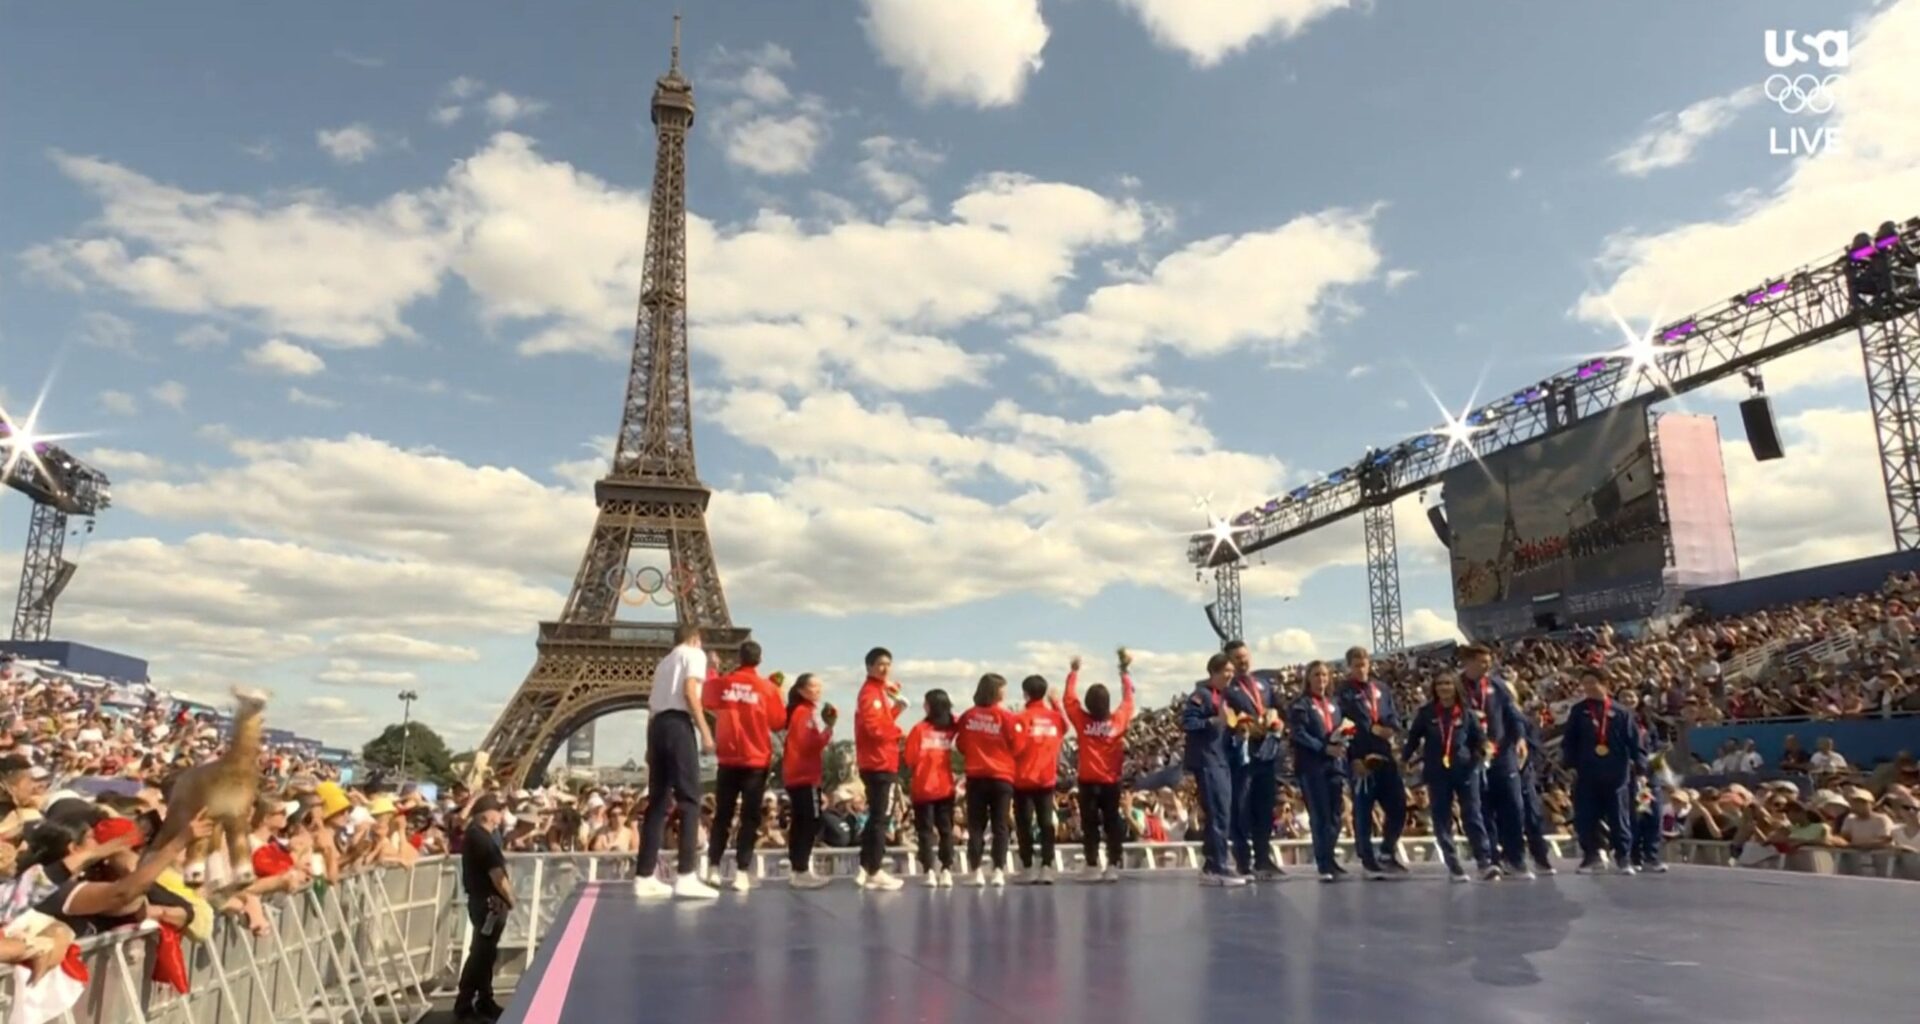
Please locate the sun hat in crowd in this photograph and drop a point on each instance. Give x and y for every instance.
(333, 799)
(1826, 798)
(382, 804)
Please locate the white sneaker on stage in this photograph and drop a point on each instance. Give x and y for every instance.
(946, 878)
(742, 881)
(1626, 869)
(651, 888)
(977, 878)
(1234, 881)
(690, 888)
(998, 879)
(808, 880)
(862, 880)
(1092, 873)
(880, 881)
(931, 879)
(1111, 874)
(1045, 876)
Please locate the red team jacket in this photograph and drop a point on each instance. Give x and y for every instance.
(930, 757)
(987, 741)
(746, 709)
(807, 739)
(1103, 745)
(1036, 759)
(876, 734)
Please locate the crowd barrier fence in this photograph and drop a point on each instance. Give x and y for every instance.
(375, 948)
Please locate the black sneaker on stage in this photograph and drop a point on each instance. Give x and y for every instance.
(1544, 867)
(1394, 867)
(1590, 866)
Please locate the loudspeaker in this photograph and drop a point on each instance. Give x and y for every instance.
(1757, 414)
(1440, 529)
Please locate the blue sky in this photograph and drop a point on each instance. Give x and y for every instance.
(985, 294)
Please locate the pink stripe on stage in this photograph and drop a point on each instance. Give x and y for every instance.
(551, 996)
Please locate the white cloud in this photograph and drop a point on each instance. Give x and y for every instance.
(1425, 626)
(307, 266)
(350, 144)
(116, 460)
(396, 647)
(893, 168)
(1821, 201)
(1211, 297)
(1669, 139)
(1830, 477)
(107, 331)
(1399, 276)
(1209, 31)
(170, 393)
(765, 128)
(465, 88)
(332, 713)
(119, 403)
(348, 672)
(974, 52)
(200, 337)
(447, 113)
(505, 108)
(279, 356)
(295, 396)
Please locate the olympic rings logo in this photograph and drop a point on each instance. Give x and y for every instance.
(648, 585)
(1798, 94)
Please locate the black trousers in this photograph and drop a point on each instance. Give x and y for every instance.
(930, 819)
(1033, 807)
(987, 801)
(476, 975)
(873, 838)
(1100, 813)
(742, 787)
(806, 826)
(673, 770)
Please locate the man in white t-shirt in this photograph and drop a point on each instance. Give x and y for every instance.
(673, 768)
(1826, 760)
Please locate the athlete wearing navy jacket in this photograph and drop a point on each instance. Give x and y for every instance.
(1319, 760)
(1602, 746)
(1204, 718)
(1506, 740)
(1255, 767)
(1447, 738)
(1372, 767)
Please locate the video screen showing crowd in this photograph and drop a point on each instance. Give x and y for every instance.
(1479, 758)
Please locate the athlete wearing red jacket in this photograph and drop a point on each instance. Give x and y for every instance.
(876, 745)
(1036, 770)
(746, 707)
(988, 734)
(1103, 755)
(930, 759)
(809, 731)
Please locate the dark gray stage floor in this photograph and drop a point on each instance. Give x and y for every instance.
(1698, 945)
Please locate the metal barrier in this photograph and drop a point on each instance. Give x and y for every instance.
(365, 950)
(1897, 864)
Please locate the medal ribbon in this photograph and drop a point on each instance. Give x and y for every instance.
(1600, 721)
(1373, 701)
(1326, 714)
(1447, 727)
(1253, 696)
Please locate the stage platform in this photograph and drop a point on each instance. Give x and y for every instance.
(1695, 946)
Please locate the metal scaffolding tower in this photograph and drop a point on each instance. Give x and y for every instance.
(1383, 579)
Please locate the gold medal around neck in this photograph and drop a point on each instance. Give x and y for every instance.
(1603, 750)
(1446, 760)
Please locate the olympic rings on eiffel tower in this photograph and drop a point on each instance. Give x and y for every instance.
(648, 585)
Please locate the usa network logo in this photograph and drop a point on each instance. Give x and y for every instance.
(1806, 86)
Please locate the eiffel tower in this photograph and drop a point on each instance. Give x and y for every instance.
(589, 664)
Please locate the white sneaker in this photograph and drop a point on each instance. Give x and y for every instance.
(931, 879)
(691, 888)
(1458, 876)
(977, 878)
(1091, 873)
(1111, 874)
(1526, 873)
(880, 881)
(946, 878)
(651, 888)
(808, 880)
(1021, 876)
(742, 881)
(1626, 869)
(1233, 881)
(998, 879)
(1208, 878)
(1046, 874)
(862, 880)
(712, 874)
